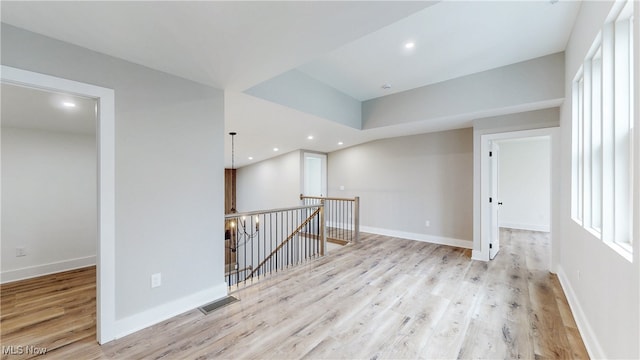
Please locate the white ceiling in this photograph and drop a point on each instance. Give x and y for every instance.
(354, 46)
(452, 39)
(227, 44)
(29, 108)
(291, 132)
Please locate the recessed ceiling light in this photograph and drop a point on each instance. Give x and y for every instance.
(68, 104)
(310, 137)
(410, 45)
(340, 143)
(250, 157)
(275, 149)
(386, 86)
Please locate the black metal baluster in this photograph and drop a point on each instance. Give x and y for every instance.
(270, 244)
(351, 222)
(340, 221)
(342, 227)
(245, 240)
(237, 246)
(336, 219)
(278, 240)
(230, 250)
(264, 221)
(295, 244)
(288, 213)
(336, 216)
(318, 244)
(246, 266)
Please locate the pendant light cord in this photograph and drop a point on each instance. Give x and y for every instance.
(233, 172)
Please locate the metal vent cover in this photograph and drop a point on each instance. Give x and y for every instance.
(213, 306)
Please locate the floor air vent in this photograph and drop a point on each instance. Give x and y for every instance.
(211, 307)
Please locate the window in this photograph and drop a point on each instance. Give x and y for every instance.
(596, 141)
(602, 134)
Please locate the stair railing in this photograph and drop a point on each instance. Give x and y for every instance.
(264, 242)
(342, 216)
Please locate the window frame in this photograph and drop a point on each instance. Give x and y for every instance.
(602, 134)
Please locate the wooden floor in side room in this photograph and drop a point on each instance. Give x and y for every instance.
(380, 298)
(47, 312)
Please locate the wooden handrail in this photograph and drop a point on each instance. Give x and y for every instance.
(302, 197)
(294, 233)
(235, 271)
(262, 212)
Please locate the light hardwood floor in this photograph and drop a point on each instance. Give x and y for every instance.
(47, 312)
(380, 298)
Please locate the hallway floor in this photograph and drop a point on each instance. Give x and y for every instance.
(381, 298)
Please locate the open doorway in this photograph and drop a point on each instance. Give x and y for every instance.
(521, 189)
(518, 183)
(105, 259)
(49, 216)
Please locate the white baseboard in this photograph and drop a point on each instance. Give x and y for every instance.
(530, 227)
(478, 255)
(588, 337)
(166, 311)
(466, 244)
(46, 269)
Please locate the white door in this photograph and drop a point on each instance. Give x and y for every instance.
(494, 203)
(315, 179)
(315, 174)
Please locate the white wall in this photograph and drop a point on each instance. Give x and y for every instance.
(300, 91)
(48, 201)
(527, 85)
(602, 287)
(524, 184)
(403, 182)
(270, 184)
(169, 136)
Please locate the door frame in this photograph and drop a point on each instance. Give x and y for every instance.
(105, 137)
(481, 243)
(494, 228)
(324, 171)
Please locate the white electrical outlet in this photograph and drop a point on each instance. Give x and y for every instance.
(156, 280)
(20, 251)
(427, 223)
